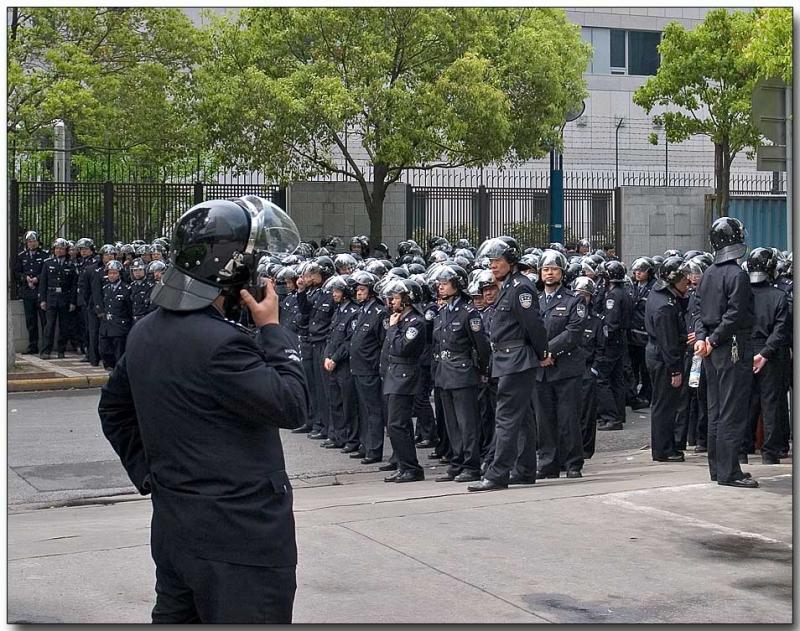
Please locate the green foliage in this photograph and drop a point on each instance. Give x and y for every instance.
(771, 45)
(463, 231)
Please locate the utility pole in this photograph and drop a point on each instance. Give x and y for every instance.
(616, 150)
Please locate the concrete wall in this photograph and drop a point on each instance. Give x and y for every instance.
(657, 219)
(337, 208)
(17, 332)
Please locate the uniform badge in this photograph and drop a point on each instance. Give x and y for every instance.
(526, 300)
(411, 333)
(354, 323)
(386, 323)
(429, 315)
(581, 309)
(475, 324)
(609, 304)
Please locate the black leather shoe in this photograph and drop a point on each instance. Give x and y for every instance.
(783, 454)
(413, 475)
(359, 454)
(84, 360)
(769, 460)
(389, 466)
(327, 444)
(744, 483)
(44, 356)
(541, 475)
(317, 436)
(670, 458)
(303, 429)
(348, 449)
(61, 356)
(335, 446)
(514, 480)
(742, 458)
(30, 351)
(392, 477)
(574, 473)
(468, 476)
(370, 460)
(486, 485)
(700, 449)
(95, 364)
(606, 427)
(640, 404)
(446, 477)
(425, 444)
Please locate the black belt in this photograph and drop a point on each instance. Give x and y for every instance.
(453, 356)
(402, 360)
(508, 344)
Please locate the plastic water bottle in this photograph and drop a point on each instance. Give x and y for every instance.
(694, 374)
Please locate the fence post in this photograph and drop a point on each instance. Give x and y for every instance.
(483, 212)
(108, 212)
(409, 210)
(279, 198)
(198, 193)
(13, 236)
(618, 222)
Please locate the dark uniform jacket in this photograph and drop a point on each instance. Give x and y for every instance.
(563, 320)
(599, 297)
(726, 303)
(337, 347)
(666, 329)
(639, 294)
(289, 313)
(29, 263)
(592, 339)
(403, 347)
(58, 283)
(462, 346)
(85, 273)
(617, 307)
(202, 432)
(140, 298)
(98, 281)
(518, 336)
(367, 338)
(771, 321)
(117, 315)
(429, 312)
(318, 305)
(787, 285)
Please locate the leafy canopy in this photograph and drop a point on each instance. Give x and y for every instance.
(771, 44)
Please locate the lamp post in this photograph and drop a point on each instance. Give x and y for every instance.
(557, 181)
(616, 151)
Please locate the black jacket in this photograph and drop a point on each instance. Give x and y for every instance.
(58, 283)
(461, 345)
(726, 303)
(639, 293)
(85, 275)
(318, 305)
(666, 329)
(29, 263)
(337, 347)
(403, 348)
(140, 297)
(367, 338)
(201, 432)
(563, 320)
(116, 316)
(771, 322)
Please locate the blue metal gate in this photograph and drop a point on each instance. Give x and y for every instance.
(764, 218)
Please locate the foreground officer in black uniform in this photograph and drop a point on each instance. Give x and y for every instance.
(666, 348)
(201, 432)
(644, 275)
(723, 332)
(27, 268)
(58, 296)
(463, 356)
(519, 346)
(117, 316)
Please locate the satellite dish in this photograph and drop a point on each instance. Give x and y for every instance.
(576, 113)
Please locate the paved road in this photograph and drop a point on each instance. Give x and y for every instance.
(57, 452)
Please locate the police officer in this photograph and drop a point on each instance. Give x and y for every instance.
(27, 268)
(140, 290)
(559, 376)
(365, 354)
(317, 304)
(644, 277)
(487, 395)
(58, 296)
(665, 352)
(405, 341)
(425, 432)
(463, 356)
(202, 431)
(117, 317)
(592, 340)
(519, 345)
(611, 386)
(336, 363)
(90, 261)
(770, 333)
(723, 332)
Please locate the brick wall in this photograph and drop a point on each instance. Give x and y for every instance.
(658, 219)
(337, 208)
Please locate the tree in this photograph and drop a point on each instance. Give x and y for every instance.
(705, 73)
(300, 92)
(771, 44)
(116, 76)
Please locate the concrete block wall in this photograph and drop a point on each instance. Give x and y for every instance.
(17, 331)
(657, 219)
(337, 208)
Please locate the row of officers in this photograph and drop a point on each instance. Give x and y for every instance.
(89, 300)
(524, 369)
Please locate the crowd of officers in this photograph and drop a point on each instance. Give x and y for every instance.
(510, 360)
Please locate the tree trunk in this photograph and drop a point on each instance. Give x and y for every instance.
(717, 180)
(374, 204)
(727, 158)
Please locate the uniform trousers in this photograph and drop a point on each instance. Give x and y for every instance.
(767, 395)
(442, 440)
(611, 387)
(401, 431)
(462, 417)
(557, 411)
(111, 349)
(321, 390)
(487, 398)
(426, 423)
(34, 318)
(344, 406)
(55, 315)
(371, 403)
(640, 372)
(728, 385)
(588, 413)
(664, 408)
(92, 335)
(307, 355)
(515, 429)
(190, 589)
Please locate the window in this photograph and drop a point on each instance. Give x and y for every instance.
(617, 51)
(643, 55)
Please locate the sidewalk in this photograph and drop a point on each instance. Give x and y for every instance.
(632, 541)
(31, 373)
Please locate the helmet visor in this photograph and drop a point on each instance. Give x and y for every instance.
(271, 230)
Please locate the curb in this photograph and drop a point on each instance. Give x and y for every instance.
(60, 383)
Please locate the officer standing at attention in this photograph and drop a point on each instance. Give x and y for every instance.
(558, 378)
(58, 296)
(201, 432)
(117, 316)
(723, 339)
(519, 346)
(27, 268)
(666, 348)
(644, 275)
(405, 341)
(464, 351)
